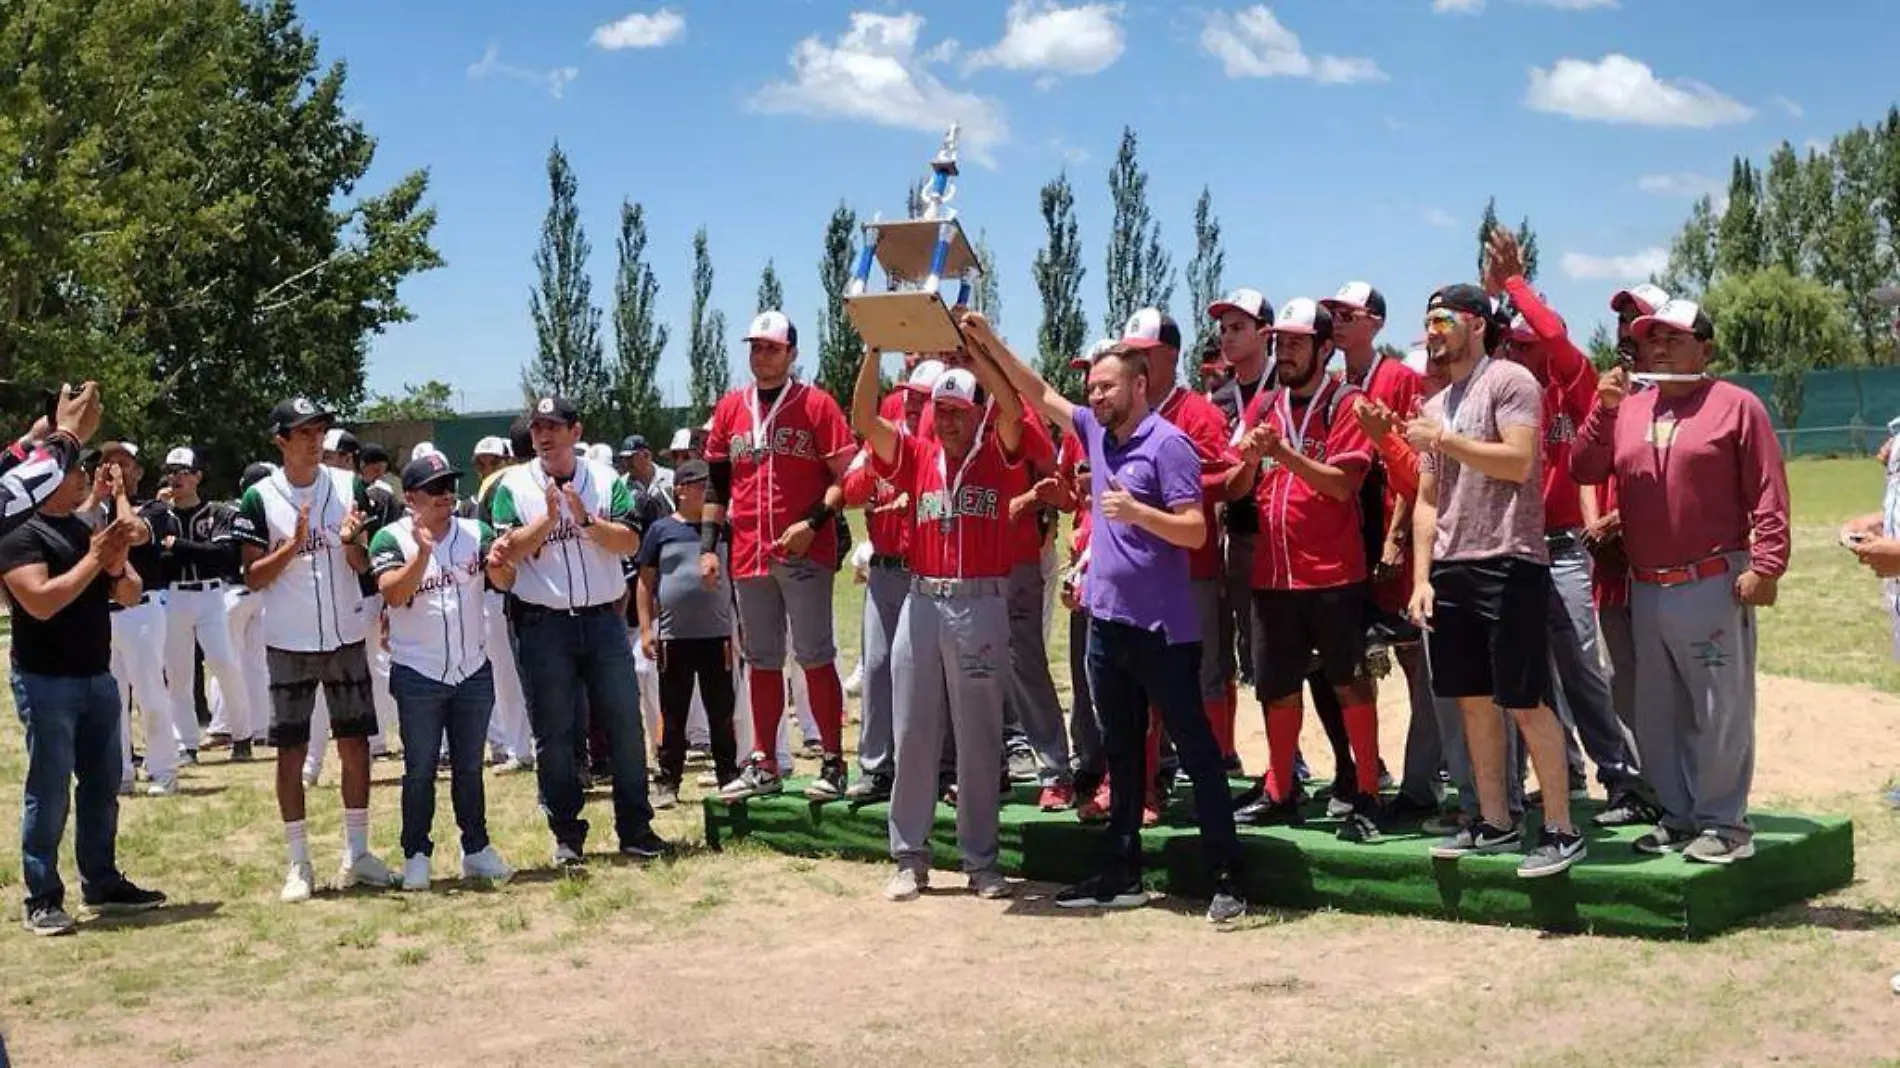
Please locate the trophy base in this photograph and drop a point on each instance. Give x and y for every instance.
(904, 249)
(905, 321)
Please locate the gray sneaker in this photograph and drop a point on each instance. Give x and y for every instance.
(1479, 837)
(1712, 847)
(1557, 851)
(906, 885)
(1226, 904)
(663, 796)
(49, 920)
(1022, 766)
(755, 780)
(990, 885)
(1661, 839)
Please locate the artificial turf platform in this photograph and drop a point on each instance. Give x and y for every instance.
(1615, 890)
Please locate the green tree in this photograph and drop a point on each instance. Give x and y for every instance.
(839, 347)
(568, 360)
(771, 293)
(1487, 223)
(1527, 245)
(914, 200)
(1887, 139)
(986, 295)
(1140, 271)
(1854, 258)
(1205, 270)
(1058, 271)
(710, 373)
(1602, 348)
(1787, 216)
(1740, 244)
(1692, 254)
(425, 403)
(639, 337)
(1773, 321)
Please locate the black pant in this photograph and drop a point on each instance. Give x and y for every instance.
(684, 661)
(1131, 669)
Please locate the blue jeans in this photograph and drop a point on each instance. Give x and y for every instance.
(426, 710)
(564, 659)
(72, 731)
(1131, 670)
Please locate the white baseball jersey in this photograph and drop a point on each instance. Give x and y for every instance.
(314, 606)
(442, 632)
(570, 571)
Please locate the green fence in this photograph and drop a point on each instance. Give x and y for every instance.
(1843, 413)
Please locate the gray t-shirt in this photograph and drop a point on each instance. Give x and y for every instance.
(1482, 518)
(687, 608)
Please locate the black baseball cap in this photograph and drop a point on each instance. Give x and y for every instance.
(690, 472)
(553, 408)
(1462, 297)
(426, 470)
(373, 454)
(633, 443)
(298, 411)
(254, 474)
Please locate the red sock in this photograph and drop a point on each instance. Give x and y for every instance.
(768, 708)
(827, 706)
(1362, 733)
(1283, 744)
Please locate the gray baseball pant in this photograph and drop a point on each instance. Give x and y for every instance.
(1695, 699)
(1581, 695)
(1236, 631)
(1085, 729)
(948, 667)
(1424, 752)
(1619, 645)
(886, 588)
(1031, 692)
(795, 590)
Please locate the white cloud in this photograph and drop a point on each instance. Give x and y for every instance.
(1472, 7)
(1071, 155)
(1682, 184)
(555, 80)
(1581, 266)
(1438, 217)
(874, 73)
(1622, 90)
(1253, 44)
(1457, 7)
(641, 30)
(1044, 36)
(1791, 107)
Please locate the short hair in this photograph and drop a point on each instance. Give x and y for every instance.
(1135, 360)
(520, 440)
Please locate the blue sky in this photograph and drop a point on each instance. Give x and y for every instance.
(1340, 138)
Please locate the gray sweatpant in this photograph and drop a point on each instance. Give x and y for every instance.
(1695, 699)
(949, 670)
(1619, 645)
(1451, 735)
(1209, 604)
(1236, 631)
(1031, 692)
(885, 590)
(1581, 695)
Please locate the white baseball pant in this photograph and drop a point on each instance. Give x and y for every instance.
(196, 619)
(138, 647)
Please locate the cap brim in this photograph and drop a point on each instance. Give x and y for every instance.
(1340, 302)
(1623, 298)
(766, 337)
(1141, 343)
(1081, 363)
(1222, 307)
(111, 447)
(953, 402)
(1646, 325)
(449, 475)
(326, 418)
(1294, 329)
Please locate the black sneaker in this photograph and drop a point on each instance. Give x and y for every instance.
(1232, 767)
(755, 780)
(1662, 839)
(869, 789)
(1627, 810)
(1266, 812)
(645, 845)
(1554, 854)
(1226, 904)
(1098, 892)
(664, 795)
(47, 921)
(123, 896)
(1360, 825)
(830, 783)
(241, 752)
(1404, 810)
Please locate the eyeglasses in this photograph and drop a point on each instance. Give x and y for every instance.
(1441, 322)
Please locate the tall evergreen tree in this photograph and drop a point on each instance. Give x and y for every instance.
(1487, 223)
(710, 371)
(1887, 180)
(839, 347)
(1739, 244)
(1140, 271)
(1058, 270)
(914, 200)
(986, 295)
(771, 294)
(1786, 215)
(639, 338)
(1527, 247)
(568, 360)
(1206, 269)
(1854, 259)
(1692, 254)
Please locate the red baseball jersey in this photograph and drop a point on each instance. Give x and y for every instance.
(961, 514)
(1037, 457)
(891, 408)
(1307, 540)
(1196, 416)
(1609, 576)
(781, 456)
(887, 524)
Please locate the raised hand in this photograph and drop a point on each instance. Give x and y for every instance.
(301, 533)
(353, 524)
(1118, 504)
(425, 539)
(576, 506)
(1612, 386)
(1503, 260)
(1375, 419)
(77, 412)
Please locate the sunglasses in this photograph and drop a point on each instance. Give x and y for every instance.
(1441, 322)
(438, 489)
(1347, 316)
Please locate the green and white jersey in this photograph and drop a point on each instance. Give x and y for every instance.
(570, 571)
(315, 605)
(442, 632)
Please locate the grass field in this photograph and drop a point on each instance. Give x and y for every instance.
(775, 960)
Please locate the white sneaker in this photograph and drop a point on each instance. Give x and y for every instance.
(906, 885)
(165, 786)
(311, 777)
(567, 859)
(854, 685)
(415, 873)
(366, 870)
(512, 766)
(298, 884)
(487, 864)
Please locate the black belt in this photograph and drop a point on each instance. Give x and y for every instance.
(1562, 541)
(888, 560)
(528, 610)
(144, 599)
(199, 586)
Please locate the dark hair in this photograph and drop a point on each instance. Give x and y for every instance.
(520, 441)
(1135, 360)
(1210, 347)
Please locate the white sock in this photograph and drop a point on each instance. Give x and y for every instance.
(298, 842)
(356, 831)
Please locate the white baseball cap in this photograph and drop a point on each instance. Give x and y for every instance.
(424, 448)
(183, 456)
(682, 441)
(1684, 315)
(492, 446)
(1249, 302)
(1150, 328)
(1087, 359)
(924, 376)
(773, 326)
(601, 454)
(1360, 296)
(1302, 315)
(1645, 298)
(956, 386)
(333, 438)
(1417, 358)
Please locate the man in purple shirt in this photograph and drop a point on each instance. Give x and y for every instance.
(1144, 634)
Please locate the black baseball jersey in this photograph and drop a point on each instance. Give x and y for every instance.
(385, 507)
(204, 551)
(147, 559)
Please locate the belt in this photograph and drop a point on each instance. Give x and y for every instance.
(144, 599)
(1681, 576)
(888, 560)
(1562, 541)
(529, 610)
(945, 589)
(200, 586)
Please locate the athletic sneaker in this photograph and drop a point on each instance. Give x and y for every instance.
(1097, 892)
(1661, 839)
(665, 795)
(1555, 853)
(311, 778)
(990, 885)
(513, 766)
(1057, 797)
(1627, 810)
(906, 885)
(1095, 809)
(645, 845)
(1302, 774)
(415, 873)
(298, 884)
(1403, 809)
(869, 789)
(123, 896)
(1338, 807)
(1266, 812)
(163, 786)
(1479, 837)
(830, 783)
(707, 780)
(1022, 764)
(241, 752)
(1226, 904)
(569, 860)
(854, 682)
(366, 870)
(488, 865)
(1385, 777)
(1446, 823)
(48, 921)
(1358, 827)
(1232, 766)
(811, 750)
(755, 780)
(1712, 847)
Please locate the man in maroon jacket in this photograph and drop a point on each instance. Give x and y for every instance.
(1704, 496)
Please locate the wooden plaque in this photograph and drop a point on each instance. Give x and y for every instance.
(904, 250)
(904, 321)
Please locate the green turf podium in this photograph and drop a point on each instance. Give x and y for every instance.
(1614, 891)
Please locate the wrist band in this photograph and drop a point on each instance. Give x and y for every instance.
(709, 534)
(819, 514)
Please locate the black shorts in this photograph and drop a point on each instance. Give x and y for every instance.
(1490, 635)
(294, 677)
(1292, 628)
